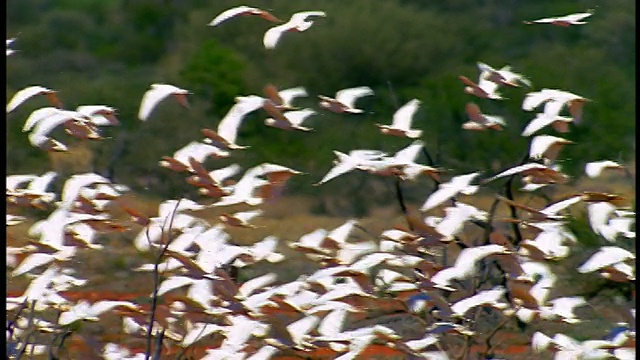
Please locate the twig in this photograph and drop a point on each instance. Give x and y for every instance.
(32, 331)
(509, 194)
(487, 341)
(156, 280)
(400, 198)
(158, 349)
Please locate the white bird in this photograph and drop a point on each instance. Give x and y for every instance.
(606, 256)
(556, 100)
(457, 184)
(73, 186)
(466, 263)
(594, 169)
(503, 76)
(157, 93)
(484, 88)
(564, 21)
(559, 123)
(244, 191)
(531, 169)
(599, 214)
(85, 311)
(240, 219)
(282, 99)
(293, 119)
(297, 23)
(99, 115)
(227, 131)
(564, 308)
(31, 91)
(351, 161)
(486, 297)
(480, 121)
(345, 99)
(242, 11)
(196, 150)
(456, 217)
(9, 42)
(401, 124)
(546, 146)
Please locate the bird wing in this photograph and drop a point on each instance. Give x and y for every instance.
(349, 96)
(151, 98)
(409, 154)
(301, 17)
(575, 17)
(441, 195)
(228, 126)
(541, 120)
(288, 95)
(229, 13)
(533, 99)
(271, 36)
(607, 255)
(38, 115)
(345, 164)
(474, 113)
(40, 183)
(516, 170)
(403, 117)
(24, 95)
(224, 173)
(297, 117)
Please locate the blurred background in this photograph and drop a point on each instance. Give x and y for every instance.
(109, 52)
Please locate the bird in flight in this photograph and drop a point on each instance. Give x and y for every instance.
(401, 124)
(227, 131)
(297, 23)
(243, 11)
(157, 93)
(31, 91)
(479, 121)
(345, 99)
(564, 21)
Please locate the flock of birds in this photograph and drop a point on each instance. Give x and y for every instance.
(402, 268)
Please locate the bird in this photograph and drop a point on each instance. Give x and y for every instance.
(9, 43)
(465, 264)
(401, 124)
(243, 11)
(195, 150)
(292, 120)
(297, 23)
(345, 99)
(555, 100)
(457, 184)
(564, 21)
(594, 169)
(240, 219)
(480, 121)
(487, 297)
(227, 130)
(99, 115)
(503, 76)
(539, 172)
(484, 88)
(157, 93)
(605, 256)
(349, 162)
(546, 146)
(282, 98)
(558, 123)
(31, 91)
